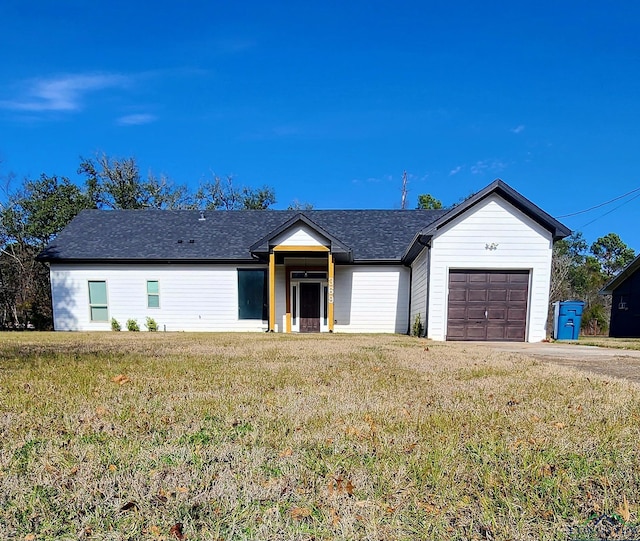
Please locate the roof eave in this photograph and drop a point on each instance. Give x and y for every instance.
(621, 277)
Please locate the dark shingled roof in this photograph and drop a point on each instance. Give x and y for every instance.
(155, 235)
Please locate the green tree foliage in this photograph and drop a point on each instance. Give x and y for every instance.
(612, 254)
(428, 202)
(113, 183)
(580, 271)
(29, 219)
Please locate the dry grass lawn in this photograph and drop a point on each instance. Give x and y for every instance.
(254, 436)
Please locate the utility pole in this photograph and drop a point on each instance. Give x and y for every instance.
(403, 204)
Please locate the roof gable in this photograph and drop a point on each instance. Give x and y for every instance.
(507, 193)
(498, 187)
(263, 245)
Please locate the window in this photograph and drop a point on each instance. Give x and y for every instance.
(153, 294)
(252, 294)
(98, 301)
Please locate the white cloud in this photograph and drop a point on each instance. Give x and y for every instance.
(136, 119)
(517, 129)
(63, 93)
(455, 170)
(493, 166)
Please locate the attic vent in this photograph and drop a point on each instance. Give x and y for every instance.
(202, 218)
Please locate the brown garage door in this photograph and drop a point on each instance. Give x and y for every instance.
(487, 305)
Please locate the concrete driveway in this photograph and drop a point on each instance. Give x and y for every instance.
(617, 363)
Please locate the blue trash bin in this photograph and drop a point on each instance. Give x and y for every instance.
(567, 319)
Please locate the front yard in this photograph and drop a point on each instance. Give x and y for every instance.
(254, 436)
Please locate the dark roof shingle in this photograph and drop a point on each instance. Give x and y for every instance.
(155, 235)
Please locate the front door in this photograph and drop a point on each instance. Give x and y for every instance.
(309, 307)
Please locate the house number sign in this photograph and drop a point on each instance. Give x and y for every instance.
(330, 292)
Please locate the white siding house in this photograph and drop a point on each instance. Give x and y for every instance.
(478, 271)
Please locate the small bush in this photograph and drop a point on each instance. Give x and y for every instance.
(151, 325)
(595, 320)
(132, 325)
(417, 326)
(115, 326)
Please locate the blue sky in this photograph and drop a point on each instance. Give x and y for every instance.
(329, 101)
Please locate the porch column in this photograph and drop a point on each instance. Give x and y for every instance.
(272, 292)
(331, 264)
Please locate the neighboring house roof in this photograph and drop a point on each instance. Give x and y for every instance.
(506, 192)
(621, 277)
(226, 235)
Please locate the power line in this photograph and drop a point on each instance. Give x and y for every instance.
(610, 211)
(602, 205)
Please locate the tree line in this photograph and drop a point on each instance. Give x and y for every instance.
(35, 211)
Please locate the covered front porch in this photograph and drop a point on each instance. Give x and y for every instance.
(302, 258)
(307, 278)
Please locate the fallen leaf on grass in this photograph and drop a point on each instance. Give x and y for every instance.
(623, 509)
(300, 513)
(338, 485)
(29, 537)
(129, 506)
(429, 507)
(547, 470)
(176, 531)
(112, 467)
(120, 379)
(286, 452)
(335, 519)
(560, 426)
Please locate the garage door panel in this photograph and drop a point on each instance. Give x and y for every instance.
(517, 295)
(496, 332)
(517, 314)
(475, 295)
(519, 277)
(498, 278)
(458, 313)
(475, 332)
(487, 305)
(458, 295)
(476, 312)
(497, 295)
(514, 334)
(497, 313)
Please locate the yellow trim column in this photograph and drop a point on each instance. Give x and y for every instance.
(272, 292)
(287, 300)
(331, 286)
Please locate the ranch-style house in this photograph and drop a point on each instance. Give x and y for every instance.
(477, 271)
